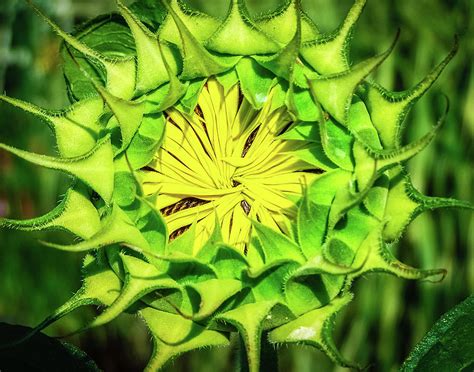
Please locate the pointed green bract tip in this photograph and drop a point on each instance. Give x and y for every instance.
(239, 35)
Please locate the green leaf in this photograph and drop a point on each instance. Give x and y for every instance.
(80, 121)
(200, 25)
(319, 265)
(269, 284)
(301, 74)
(106, 34)
(186, 269)
(101, 286)
(281, 24)
(334, 92)
(255, 81)
(360, 124)
(95, 168)
(151, 12)
(129, 115)
(165, 96)
(321, 278)
(301, 103)
(279, 94)
(40, 353)
(337, 143)
(153, 227)
(283, 62)
(365, 169)
(328, 54)
(248, 320)
(449, 345)
(147, 140)
(387, 158)
(302, 131)
(381, 259)
(315, 329)
(388, 110)
(116, 228)
(278, 315)
(400, 208)
(370, 163)
(141, 278)
(405, 203)
(229, 262)
(197, 61)
(228, 79)
(151, 69)
(345, 239)
(120, 80)
(75, 213)
(125, 189)
(276, 247)
(376, 199)
(311, 226)
(239, 35)
(184, 243)
(215, 241)
(323, 190)
(314, 155)
(189, 101)
(212, 294)
(173, 335)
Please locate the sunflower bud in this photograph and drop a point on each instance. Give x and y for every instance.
(230, 177)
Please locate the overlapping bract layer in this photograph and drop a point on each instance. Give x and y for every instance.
(288, 287)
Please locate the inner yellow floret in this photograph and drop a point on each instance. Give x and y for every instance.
(226, 161)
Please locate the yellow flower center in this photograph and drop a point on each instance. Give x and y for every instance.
(226, 161)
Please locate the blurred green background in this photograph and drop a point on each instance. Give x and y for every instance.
(388, 316)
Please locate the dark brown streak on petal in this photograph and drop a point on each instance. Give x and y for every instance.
(245, 206)
(198, 111)
(179, 232)
(197, 135)
(249, 141)
(312, 170)
(241, 97)
(182, 205)
(148, 169)
(179, 206)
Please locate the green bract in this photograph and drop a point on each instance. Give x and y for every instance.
(192, 217)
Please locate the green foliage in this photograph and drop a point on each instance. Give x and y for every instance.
(448, 346)
(345, 220)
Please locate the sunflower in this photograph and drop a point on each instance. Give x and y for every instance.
(231, 178)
